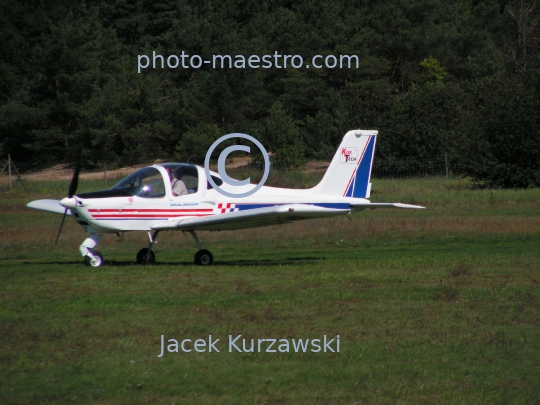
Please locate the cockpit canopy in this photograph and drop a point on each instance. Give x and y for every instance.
(189, 174)
(147, 183)
(150, 183)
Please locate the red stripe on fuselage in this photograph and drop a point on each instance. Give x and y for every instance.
(108, 216)
(152, 210)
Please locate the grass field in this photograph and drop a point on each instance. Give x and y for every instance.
(433, 306)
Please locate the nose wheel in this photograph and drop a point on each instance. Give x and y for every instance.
(204, 258)
(91, 257)
(95, 260)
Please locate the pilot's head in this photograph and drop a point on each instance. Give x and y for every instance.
(185, 171)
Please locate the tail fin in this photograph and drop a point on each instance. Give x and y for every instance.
(350, 170)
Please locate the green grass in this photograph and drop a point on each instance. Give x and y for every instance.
(434, 306)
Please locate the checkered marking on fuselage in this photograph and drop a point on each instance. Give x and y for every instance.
(225, 208)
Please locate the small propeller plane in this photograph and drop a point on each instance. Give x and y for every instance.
(144, 201)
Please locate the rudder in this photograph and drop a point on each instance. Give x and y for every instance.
(350, 170)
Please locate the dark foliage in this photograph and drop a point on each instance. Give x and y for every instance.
(500, 138)
(435, 76)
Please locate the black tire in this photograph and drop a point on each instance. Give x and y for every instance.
(96, 261)
(204, 258)
(143, 259)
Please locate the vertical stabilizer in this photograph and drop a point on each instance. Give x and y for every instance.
(350, 170)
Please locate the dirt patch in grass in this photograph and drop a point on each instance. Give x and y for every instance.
(461, 270)
(446, 293)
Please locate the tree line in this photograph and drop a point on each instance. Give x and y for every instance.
(435, 76)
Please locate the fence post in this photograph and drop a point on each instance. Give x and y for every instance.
(18, 176)
(446, 164)
(9, 170)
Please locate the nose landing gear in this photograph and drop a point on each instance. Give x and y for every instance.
(91, 257)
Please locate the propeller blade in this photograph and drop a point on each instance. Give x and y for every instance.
(61, 225)
(71, 192)
(74, 180)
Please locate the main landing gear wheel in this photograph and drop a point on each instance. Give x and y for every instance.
(143, 258)
(95, 261)
(204, 258)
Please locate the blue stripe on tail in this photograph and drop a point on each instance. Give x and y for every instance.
(359, 185)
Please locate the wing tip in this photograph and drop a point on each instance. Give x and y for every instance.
(410, 206)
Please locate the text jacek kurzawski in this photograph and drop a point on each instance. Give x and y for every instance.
(237, 344)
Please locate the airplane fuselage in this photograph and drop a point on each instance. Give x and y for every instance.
(135, 213)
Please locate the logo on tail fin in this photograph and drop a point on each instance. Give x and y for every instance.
(349, 155)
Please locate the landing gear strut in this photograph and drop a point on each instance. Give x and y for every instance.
(145, 255)
(203, 257)
(91, 257)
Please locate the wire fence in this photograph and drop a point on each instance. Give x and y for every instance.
(14, 173)
(29, 168)
(427, 166)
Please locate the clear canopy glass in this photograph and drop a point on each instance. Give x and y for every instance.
(146, 183)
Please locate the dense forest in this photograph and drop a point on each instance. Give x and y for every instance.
(435, 76)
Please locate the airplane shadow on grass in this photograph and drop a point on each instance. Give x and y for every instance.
(302, 261)
(298, 261)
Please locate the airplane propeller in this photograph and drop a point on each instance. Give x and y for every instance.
(71, 192)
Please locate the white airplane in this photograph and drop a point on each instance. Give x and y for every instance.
(144, 201)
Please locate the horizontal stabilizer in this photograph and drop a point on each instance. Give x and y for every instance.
(48, 205)
(385, 205)
(275, 215)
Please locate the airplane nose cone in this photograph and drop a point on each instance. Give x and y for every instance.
(68, 202)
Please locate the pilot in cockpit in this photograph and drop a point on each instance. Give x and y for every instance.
(178, 186)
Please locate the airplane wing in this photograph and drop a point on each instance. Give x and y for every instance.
(48, 205)
(276, 215)
(384, 205)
